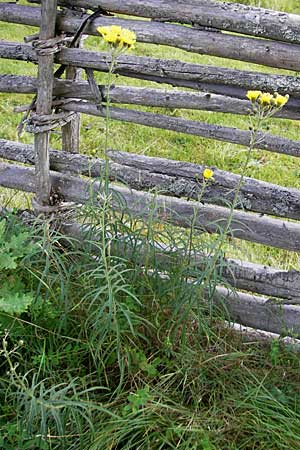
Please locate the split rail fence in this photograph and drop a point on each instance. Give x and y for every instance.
(264, 297)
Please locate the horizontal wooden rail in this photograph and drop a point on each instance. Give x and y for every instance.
(247, 309)
(249, 334)
(208, 13)
(176, 73)
(254, 311)
(207, 218)
(255, 195)
(204, 101)
(173, 178)
(243, 275)
(257, 312)
(259, 51)
(264, 141)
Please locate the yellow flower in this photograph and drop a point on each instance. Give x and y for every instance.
(117, 36)
(280, 100)
(266, 99)
(253, 95)
(111, 34)
(208, 174)
(128, 38)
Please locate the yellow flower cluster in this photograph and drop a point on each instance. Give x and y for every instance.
(266, 99)
(117, 36)
(208, 174)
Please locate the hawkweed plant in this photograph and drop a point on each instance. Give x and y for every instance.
(264, 106)
(119, 41)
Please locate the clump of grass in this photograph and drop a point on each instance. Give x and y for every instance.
(138, 362)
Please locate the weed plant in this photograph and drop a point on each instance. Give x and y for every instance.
(139, 363)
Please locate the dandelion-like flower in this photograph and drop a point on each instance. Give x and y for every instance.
(253, 95)
(111, 34)
(267, 101)
(128, 38)
(208, 174)
(280, 100)
(117, 36)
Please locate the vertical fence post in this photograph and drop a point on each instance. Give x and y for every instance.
(71, 131)
(44, 102)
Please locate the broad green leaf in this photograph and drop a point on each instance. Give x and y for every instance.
(15, 303)
(7, 261)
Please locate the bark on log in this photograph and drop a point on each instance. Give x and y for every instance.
(255, 195)
(167, 177)
(208, 13)
(258, 312)
(264, 141)
(249, 334)
(206, 218)
(248, 309)
(146, 96)
(259, 51)
(239, 274)
(176, 73)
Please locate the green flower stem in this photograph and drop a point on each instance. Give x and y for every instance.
(220, 242)
(114, 55)
(194, 218)
(261, 114)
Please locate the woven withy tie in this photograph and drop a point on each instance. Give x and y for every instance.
(50, 46)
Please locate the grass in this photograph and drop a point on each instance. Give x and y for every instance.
(136, 363)
(97, 351)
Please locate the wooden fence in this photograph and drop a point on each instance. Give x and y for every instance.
(267, 214)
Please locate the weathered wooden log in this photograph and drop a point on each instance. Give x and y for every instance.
(260, 279)
(258, 312)
(176, 73)
(239, 274)
(145, 96)
(167, 177)
(252, 310)
(258, 51)
(249, 334)
(248, 309)
(208, 13)
(255, 195)
(264, 141)
(44, 102)
(206, 218)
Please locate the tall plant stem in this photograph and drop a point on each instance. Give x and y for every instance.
(107, 118)
(220, 241)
